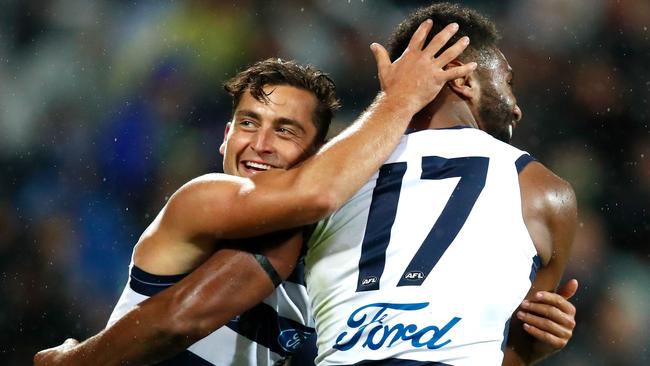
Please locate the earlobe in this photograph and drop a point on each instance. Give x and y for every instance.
(222, 148)
(463, 87)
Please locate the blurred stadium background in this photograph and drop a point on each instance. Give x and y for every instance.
(106, 107)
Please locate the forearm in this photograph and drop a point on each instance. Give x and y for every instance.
(136, 339)
(169, 322)
(344, 164)
(515, 355)
(527, 354)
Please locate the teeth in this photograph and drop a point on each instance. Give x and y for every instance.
(251, 164)
(510, 130)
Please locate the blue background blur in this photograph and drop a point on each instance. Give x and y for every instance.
(107, 107)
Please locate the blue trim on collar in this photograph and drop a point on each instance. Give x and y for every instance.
(458, 127)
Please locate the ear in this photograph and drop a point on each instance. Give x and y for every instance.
(466, 87)
(222, 148)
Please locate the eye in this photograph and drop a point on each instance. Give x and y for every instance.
(247, 124)
(283, 131)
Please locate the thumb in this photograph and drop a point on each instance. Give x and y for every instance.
(381, 57)
(568, 289)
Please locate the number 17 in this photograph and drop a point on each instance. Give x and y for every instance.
(383, 209)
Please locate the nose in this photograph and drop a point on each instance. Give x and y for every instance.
(516, 111)
(263, 141)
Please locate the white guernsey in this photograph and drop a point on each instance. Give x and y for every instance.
(428, 261)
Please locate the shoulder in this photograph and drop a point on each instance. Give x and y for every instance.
(216, 178)
(550, 209)
(207, 195)
(546, 190)
(208, 183)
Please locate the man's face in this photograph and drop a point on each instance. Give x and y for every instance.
(498, 112)
(272, 135)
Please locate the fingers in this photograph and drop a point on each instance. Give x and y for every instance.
(440, 40)
(381, 57)
(568, 289)
(546, 337)
(548, 300)
(553, 313)
(453, 52)
(550, 313)
(420, 35)
(459, 71)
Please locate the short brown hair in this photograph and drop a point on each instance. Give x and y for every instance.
(275, 71)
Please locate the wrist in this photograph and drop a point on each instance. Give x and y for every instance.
(399, 105)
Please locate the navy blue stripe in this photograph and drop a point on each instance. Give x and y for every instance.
(522, 161)
(537, 262)
(186, 358)
(472, 171)
(398, 362)
(149, 284)
(381, 216)
(506, 331)
(143, 276)
(263, 325)
(459, 127)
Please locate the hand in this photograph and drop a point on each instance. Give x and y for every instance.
(55, 355)
(417, 76)
(550, 317)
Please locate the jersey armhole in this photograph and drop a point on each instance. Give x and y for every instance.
(523, 161)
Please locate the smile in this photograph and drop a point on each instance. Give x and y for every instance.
(253, 165)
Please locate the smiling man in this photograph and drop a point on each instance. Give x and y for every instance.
(281, 114)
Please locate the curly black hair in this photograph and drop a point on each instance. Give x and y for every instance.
(481, 31)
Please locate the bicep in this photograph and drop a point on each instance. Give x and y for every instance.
(550, 213)
(227, 207)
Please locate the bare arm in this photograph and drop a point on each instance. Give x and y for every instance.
(550, 213)
(227, 284)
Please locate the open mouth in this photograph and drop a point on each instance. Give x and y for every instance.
(256, 166)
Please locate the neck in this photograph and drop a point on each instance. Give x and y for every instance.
(447, 110)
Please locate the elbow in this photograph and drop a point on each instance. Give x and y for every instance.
(322, 203)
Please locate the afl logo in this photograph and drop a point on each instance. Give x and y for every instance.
(414, 275)
(291, 339)
(369, 281)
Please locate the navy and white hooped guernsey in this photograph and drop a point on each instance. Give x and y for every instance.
(263, 336)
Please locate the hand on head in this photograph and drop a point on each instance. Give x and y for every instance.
(417, 76)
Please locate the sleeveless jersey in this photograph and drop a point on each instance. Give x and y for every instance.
(428, 261)
(265, 335)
